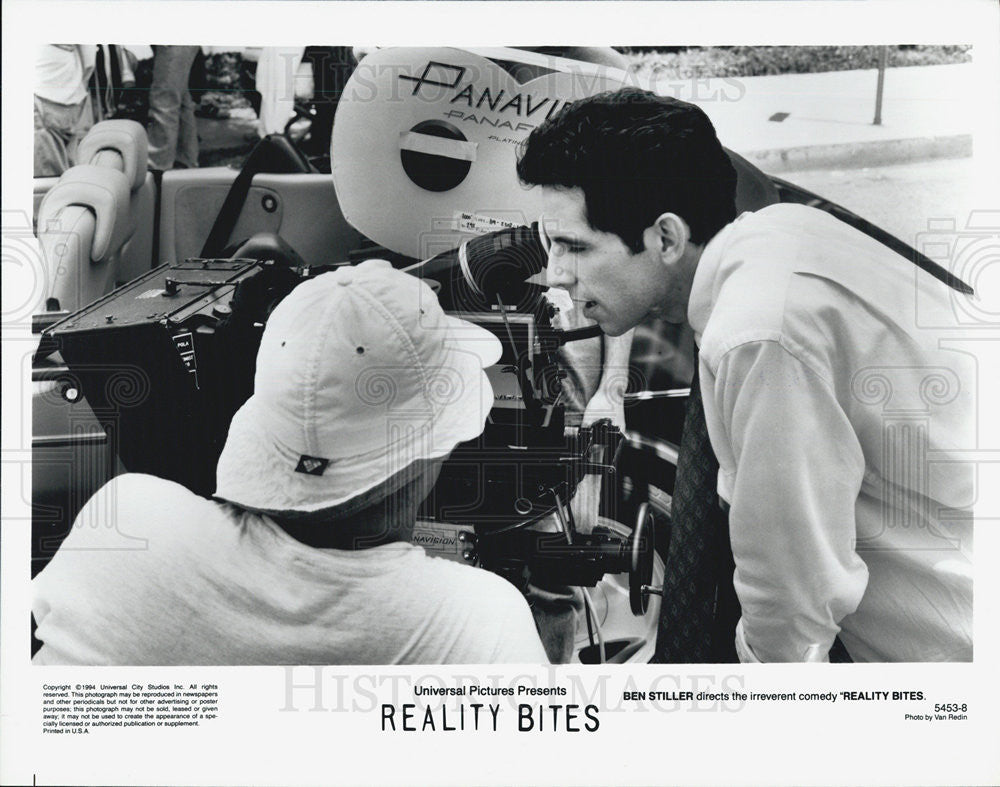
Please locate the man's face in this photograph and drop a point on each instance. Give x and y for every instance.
(612, 285)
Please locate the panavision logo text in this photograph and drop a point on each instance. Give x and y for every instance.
(505, 107)
(441, 540)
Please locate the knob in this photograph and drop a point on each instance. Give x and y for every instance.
(522, 506)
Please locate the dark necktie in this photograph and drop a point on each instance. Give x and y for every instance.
(699, 610)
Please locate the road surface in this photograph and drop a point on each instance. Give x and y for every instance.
(900, 198)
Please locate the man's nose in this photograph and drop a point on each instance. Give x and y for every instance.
(560, 271)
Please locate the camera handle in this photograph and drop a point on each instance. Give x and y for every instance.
(641, 569)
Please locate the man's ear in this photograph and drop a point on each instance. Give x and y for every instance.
(668, 237)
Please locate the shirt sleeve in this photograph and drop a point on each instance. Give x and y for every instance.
(791, 469)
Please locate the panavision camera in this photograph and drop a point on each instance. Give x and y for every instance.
(181, 341)
(424, 143)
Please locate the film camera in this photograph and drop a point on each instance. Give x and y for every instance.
(166, 360)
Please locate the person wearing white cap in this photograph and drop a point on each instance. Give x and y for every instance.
(363, 387)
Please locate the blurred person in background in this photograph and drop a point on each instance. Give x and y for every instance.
(62, 113)
(331, 68)
(173, 132)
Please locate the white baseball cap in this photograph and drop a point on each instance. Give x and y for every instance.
(359, 374)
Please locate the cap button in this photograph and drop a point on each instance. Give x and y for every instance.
(345, 275)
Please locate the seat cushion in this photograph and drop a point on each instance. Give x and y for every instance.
(127, 138)
(103, 191)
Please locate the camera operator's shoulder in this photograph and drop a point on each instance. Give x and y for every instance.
(485, 592)
(143, 502)
(145, 484)
(493, 615)
(148, 490)
(469, 577)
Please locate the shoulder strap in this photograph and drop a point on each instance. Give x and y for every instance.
(273, 154)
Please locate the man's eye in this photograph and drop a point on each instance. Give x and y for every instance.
(564, 247)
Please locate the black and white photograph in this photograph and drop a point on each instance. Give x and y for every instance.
(563, 388)
(491, 443)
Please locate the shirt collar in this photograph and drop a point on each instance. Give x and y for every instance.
(704, 285)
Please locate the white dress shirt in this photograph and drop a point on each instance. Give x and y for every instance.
(835, 410)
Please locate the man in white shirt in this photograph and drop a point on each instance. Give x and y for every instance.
(62, 105)
(363, 387)
(835, 417)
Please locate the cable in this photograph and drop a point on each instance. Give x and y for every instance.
(532, 520)
(589, 606)
(590, 626)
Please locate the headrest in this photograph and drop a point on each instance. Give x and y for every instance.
(425, 140)
(104, 191)
(126, 137)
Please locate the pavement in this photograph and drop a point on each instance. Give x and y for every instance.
(789, 122)
(805, 121)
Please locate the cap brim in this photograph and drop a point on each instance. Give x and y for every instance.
(469, 337)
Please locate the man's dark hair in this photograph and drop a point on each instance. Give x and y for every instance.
(635, 155)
